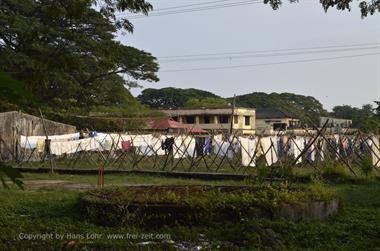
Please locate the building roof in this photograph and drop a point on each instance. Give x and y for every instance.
(272, 113)
(165, 124)
(204, 111)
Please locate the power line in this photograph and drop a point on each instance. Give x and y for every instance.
(183, 60)
(273, 63)
(188, 5)
(271, 50)
(179, 11)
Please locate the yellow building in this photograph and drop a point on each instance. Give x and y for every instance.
(217, 119)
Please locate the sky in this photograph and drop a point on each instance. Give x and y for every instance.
(342, 79)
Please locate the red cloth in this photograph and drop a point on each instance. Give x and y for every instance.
(126, 145)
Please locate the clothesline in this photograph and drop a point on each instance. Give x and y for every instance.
(248, 149)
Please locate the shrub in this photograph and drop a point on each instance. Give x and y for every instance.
(366, 165)
(335, 171)
(264, 173)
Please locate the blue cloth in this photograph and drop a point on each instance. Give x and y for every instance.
(93, 134)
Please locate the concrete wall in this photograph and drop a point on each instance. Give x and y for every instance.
(14, 124)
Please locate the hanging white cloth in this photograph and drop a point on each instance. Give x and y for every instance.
(296, 147)
(265, 143)
(221, 147)
(157, 145)
(178, 147)
(274, 149)
(143, 144)
(28, 143)
(189, 145)
(248, 148)
(375, 151)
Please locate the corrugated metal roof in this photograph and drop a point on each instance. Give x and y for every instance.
(165, 124)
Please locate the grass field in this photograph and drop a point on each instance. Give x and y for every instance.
(46, 214)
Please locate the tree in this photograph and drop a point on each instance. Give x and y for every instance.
(168, 98)
(377, 110)
(14, 92)
(362, 118)
(65, 52)
(307, 108)
(366, 7)
(208, 102)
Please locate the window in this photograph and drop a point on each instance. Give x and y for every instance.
(279, 126)
(175, 118)
(223, 119)
(247, 120)
(293, 124)
(236, 119)
(207, 119)
(190, 119)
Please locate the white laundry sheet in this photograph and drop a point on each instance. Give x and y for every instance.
(184, 147)
(268, 149)
(115, 140)
(69, 147)
(148, 145)
(248, 149)
(312, 150)
(274, 150)
(156, 144)
(30, 142)
(224, 147)
(310, 153)
(109, 142)
(296, 147)
(189, 145)
(101, 142)
(375, 150)
(141, 144)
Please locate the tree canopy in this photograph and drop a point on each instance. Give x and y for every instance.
(307, 108)
(170, 97)
(208, 102)
(65, 51)
(366, 7)
(363, 118)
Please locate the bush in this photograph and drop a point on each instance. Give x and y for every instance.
(335, 171)
(366, 166)
(264, 173)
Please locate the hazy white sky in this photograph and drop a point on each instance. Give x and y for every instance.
(256, 27)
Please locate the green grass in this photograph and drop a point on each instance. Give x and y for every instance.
(125, 179)
(54, 211)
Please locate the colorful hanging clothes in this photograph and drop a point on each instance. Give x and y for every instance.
(126, 145)
(40, 145)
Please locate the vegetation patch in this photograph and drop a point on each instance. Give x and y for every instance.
(196, 205)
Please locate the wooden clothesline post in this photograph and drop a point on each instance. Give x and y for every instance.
(47, 143)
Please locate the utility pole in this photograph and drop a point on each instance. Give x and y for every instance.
(232, 114)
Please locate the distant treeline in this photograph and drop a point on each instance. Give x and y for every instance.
(307, 108)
